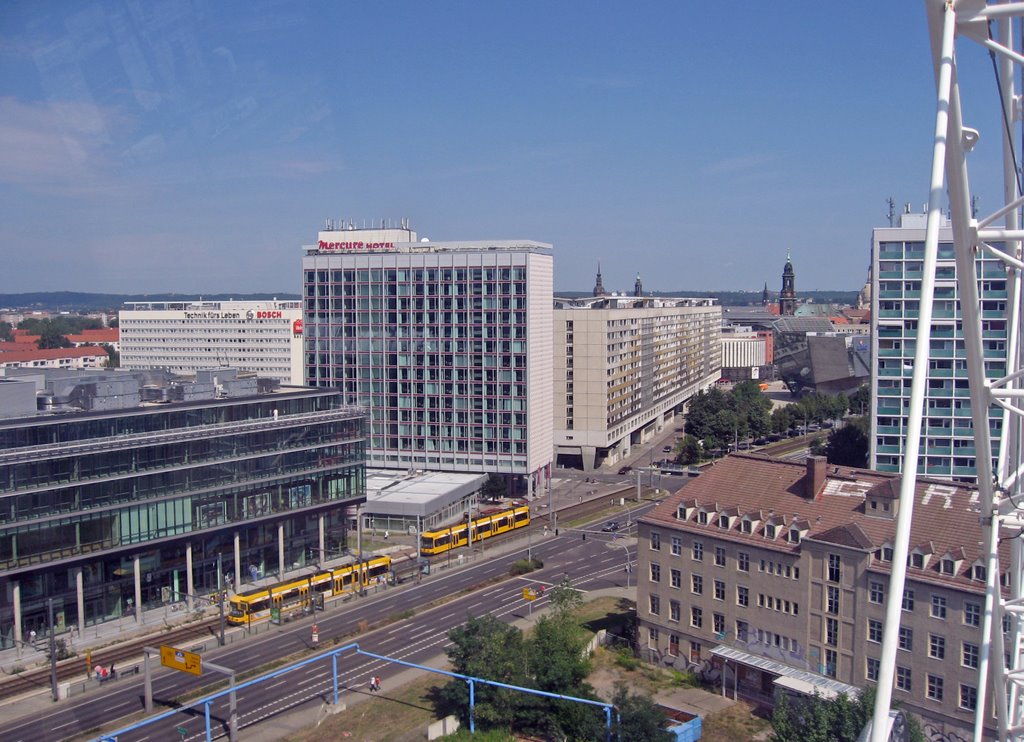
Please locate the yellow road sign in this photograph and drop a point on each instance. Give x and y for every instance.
(529, 593)
(179, 659)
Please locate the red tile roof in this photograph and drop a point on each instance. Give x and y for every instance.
(765, 489)
(20, 356)
(103, 335)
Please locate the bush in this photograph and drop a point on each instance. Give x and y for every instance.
(523, 566)
(684, 679)
(625, 659)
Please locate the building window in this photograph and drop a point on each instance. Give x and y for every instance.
(832, 600)
(655, 605)
(652, 638)
(719, 556)
(702, 517)
(655, 572)
(769, 530)
(719, 590)
(908, 599)
(677, 546)
(696, 584)
(831, 662)
(876, 592)
(832, 632)
(655, 541)
(947, 567)
(677, 578)
(742, 596)
(969, 655)
(696, 617)
(972, 614)
(903, 678)
(906, 639)
(938, 606)
(743, 561)
(742, 630)
(719, 624)
(936, 647)
(935, 687)
(673, 645)
(874, 631)
(673, 610)
(698, 551)
(873, 668)
(968, 697)
(834, 570)
(695, 651)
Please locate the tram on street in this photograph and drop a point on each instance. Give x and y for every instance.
(483, 526)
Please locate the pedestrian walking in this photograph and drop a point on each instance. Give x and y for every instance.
(376, 682)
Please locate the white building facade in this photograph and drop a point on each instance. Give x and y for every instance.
(446, 344)
(264, 337)
(623, 369)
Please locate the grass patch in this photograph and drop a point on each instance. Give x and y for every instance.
(395, 715)
(524, 566)
(736, 722)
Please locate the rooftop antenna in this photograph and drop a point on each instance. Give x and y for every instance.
(892, 211)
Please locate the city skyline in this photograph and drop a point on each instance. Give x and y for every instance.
(171, 147)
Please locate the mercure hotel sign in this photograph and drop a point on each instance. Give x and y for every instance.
(354, 246)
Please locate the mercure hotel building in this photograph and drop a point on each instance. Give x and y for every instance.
(447, 345)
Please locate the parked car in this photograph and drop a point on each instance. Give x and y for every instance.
(611, 527)
(625, 470)
(667, 449)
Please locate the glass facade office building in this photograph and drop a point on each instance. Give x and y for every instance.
(447, 345)
(105, 512)
(947, 442)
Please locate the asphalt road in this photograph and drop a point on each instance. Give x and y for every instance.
(594, 563)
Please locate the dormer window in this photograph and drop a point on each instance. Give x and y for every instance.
(723, 521)
(885, 553)
(979, 572)
(794, 535)
(746, 526)
(681, 513)
(917, 560)
(769, 530)
(702, 517)
(947, 567)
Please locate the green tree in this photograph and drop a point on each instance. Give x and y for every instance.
(52, 339)
(565, 599)
(486, 648)
(860, 400)
(641, 719)
(494, 488)
(702, 408)
(841, 719)
(113, 357)
(782, 419)
(752, 407)
(689, 450)
(848, 445)
(6, 332)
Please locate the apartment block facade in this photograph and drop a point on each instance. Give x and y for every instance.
(447, 345)
(947, 436)
(770, 574)
(264, 337)
(624, 367)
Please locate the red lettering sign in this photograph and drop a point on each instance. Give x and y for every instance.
(268, 315)
(351, 246)
(297, 327)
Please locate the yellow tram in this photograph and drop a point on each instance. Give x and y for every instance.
(485, 525)
(254, 605)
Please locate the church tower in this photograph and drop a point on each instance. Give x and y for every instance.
(765, 298)
(599, 286)
(787, 297)
(638, 288)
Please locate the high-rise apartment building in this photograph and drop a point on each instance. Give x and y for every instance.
(446, 344)
(624, 368)
(264, 337)
(947, 438)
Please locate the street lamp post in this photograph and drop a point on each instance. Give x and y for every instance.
(53, 654)
(220, 595)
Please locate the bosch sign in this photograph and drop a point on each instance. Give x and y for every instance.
(354, 246)
(269, 315)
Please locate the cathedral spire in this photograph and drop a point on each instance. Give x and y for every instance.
(638, 288)
(599, 286)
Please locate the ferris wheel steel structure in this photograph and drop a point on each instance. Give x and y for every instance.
(981, 28)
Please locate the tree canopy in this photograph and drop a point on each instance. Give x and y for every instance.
(815, 719)
(848, 445)
(552, 659)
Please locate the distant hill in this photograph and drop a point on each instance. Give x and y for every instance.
(75, 301)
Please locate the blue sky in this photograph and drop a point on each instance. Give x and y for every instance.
(159, 145)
